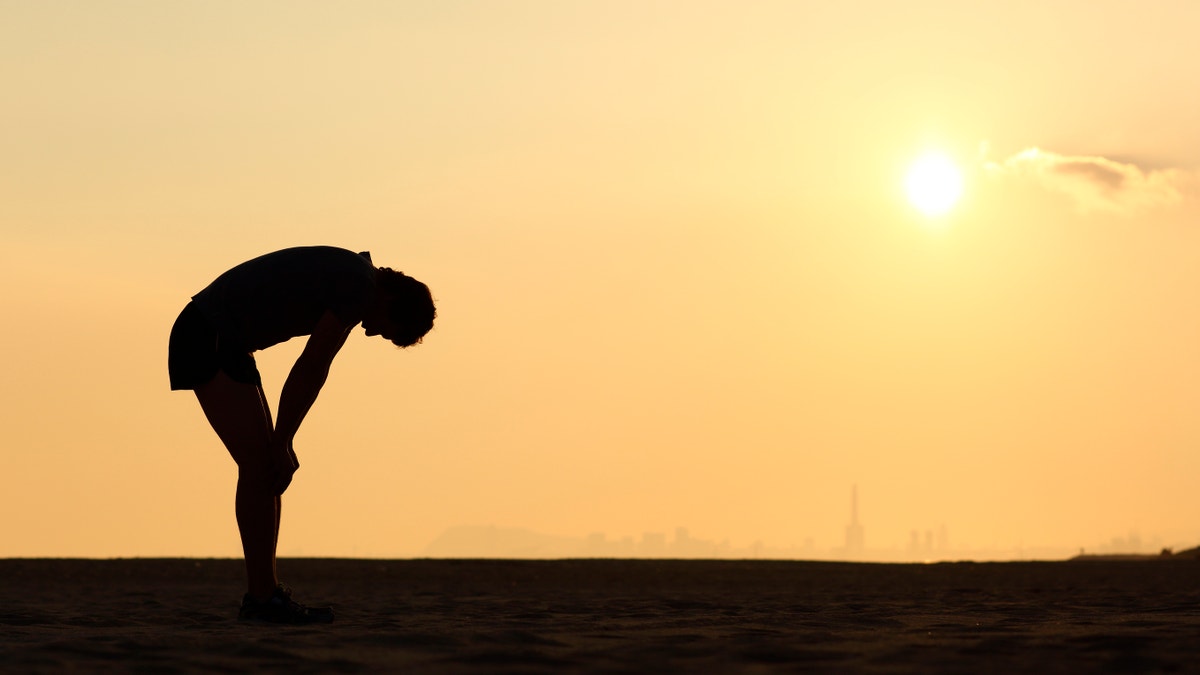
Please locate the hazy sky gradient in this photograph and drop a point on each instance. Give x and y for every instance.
(677, 280)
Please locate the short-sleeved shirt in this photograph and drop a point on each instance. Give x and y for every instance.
(282, 295)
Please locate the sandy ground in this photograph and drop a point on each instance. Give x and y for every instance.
(488, 616)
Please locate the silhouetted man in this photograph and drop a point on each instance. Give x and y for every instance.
(319, 291)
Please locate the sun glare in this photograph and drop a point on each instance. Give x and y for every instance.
(933, 184)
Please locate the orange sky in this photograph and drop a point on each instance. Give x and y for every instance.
(678, 282)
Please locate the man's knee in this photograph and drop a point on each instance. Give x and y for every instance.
(256, 473)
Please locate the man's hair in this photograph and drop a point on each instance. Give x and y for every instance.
(410, 306)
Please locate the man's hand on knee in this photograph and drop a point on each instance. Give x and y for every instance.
(285, 464)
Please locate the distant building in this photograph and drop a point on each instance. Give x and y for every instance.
(654, 544)
(854, 531)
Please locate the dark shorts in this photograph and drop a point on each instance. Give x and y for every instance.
(197, 352)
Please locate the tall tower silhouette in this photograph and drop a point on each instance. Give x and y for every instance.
(854, 531)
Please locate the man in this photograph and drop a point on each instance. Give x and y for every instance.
(318, 291)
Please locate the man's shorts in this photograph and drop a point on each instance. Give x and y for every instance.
(197, 352)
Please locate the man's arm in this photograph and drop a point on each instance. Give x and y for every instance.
(308, 375)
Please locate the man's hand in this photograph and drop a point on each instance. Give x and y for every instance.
(285, 464)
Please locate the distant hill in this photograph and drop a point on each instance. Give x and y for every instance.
(500, 542)
(1190, 554)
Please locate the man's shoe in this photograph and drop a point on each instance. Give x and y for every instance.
(280, 608)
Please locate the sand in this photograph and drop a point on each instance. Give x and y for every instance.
(608, 616)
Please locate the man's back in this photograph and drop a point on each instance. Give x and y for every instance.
(281, 295)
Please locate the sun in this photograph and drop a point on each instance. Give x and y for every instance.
(933, 184)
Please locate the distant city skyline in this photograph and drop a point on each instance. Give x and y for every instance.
(923, 545)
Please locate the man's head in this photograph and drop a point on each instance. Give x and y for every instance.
(404, 312)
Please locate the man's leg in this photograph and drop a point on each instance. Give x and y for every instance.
(262, 398)
(241, 418)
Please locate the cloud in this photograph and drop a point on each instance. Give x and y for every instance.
(1098, 183)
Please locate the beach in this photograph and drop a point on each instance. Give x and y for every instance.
(607, 616)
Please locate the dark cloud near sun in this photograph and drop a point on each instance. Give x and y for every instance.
(1098, 183)
(1104, 177)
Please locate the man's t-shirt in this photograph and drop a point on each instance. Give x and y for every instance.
(282, 295)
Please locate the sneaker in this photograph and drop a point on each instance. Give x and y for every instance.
(280, 608)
